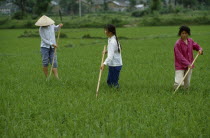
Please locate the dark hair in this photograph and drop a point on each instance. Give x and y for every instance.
(184, 28)
(112, 28)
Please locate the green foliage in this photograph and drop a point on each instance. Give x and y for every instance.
(175, 20)
(143, 107)
(95, 21)
(25, 7)
(41, 6)
(28, 34)
(105, 6)
(119, 19)
(155, 5)
(88, 36)
(29, 24)
(4, 20)
(69, 6)
(132, 4)
(188, 3)
(62, 35)
(19, 15)
(140, 13)
(32, 7)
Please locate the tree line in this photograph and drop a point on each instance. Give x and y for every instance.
(71, 7)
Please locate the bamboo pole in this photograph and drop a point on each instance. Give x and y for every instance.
(186, 74)
(99, 78)
(54, 54)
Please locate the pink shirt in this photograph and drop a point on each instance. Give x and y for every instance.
(183, 53)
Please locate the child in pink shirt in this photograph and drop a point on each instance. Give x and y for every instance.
(183, 56)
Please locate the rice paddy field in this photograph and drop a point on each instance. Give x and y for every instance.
(144, 106)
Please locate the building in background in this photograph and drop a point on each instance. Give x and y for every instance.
(8, 8)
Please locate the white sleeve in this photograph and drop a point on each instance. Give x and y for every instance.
(41, 32)
(110, 53)
(56, 27)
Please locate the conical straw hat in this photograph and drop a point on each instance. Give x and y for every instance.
(44, 21)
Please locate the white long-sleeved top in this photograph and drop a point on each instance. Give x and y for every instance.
(47, 34)
(114, 58)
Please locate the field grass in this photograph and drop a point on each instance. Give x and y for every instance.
(143, 107)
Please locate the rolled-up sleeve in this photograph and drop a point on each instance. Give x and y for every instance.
(196, 46)
(56, 27)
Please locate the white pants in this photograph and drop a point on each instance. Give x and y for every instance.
(179, 75)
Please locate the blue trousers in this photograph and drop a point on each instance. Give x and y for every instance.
(113, 76)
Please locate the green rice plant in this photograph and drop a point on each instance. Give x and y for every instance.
(144, 106)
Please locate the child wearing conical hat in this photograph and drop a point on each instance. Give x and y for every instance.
(48, 43)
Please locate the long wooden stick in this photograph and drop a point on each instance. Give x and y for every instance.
(54, 54)
(186, 73)
(99, 78)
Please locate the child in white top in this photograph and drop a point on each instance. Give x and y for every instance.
(114, 58)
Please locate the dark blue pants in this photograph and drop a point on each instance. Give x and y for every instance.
(113, 76)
